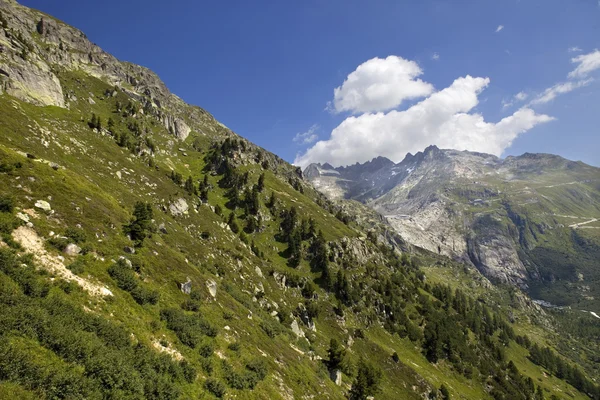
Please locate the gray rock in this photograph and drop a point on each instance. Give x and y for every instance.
(296, 329)
(43, 205)
(186, 287)
(178, 126)
(179, 207)
(212, 287)
(162, 228)
(129, 250)
(336, 376)
(72, 249)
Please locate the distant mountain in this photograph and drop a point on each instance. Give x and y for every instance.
(529, 220)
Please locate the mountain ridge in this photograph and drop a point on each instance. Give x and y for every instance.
(455, 188)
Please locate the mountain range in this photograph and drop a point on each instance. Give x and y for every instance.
(530, 220)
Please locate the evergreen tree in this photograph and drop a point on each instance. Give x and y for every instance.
(261, 182)
(139, 226)
(367, 381)
(232, 224)
(444, 392)
(336, 354)
(189, 185)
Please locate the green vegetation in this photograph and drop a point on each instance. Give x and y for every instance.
(258, 290)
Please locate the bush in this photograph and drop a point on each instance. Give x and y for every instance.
(7, 204)
(259, 367)
(206, 350)
(59, 243)
(142, 295)
(188, 328)
(76, 235)
(123, 276)
(77, 266)
(216, 387)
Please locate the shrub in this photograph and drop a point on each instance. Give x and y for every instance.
(59, 243)
(77, 266)
(206, 350)
(142, 295)
(123, 276)
(216, 387)
(76, 235)
(7, 204)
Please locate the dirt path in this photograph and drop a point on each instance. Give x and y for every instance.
(575, 226)
(31, 242)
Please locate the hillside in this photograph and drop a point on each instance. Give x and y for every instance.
(149, 252)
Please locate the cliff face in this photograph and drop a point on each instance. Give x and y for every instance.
(35, 46)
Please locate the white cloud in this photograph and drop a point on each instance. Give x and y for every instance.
(435, 56)
(574, 49)
(587, 63)
(521, 96)
(499, 28)
(443, 119)
(560, 88)
(517, 98)
(307, 137)
(379, 85)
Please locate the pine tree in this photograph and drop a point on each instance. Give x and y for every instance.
(367, 381)
(336, 354)
(232, 224)
(189, 185)
(139, 226)
(261, 182)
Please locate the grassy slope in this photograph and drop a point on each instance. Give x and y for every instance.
(87, 192)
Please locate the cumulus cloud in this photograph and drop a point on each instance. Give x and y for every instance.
(380, 84)
(574, 49)
(499, 28)
(444, 119)
(307, 137)
(435, 56)
(587, 63)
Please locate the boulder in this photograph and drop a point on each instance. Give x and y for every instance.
(296, 329)
(72, 249)
(162, 228)
(186, 287)
(336, 376)
(179, 207)
(212, 287)
(129, 250)
(43, 205)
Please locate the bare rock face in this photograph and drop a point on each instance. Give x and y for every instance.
(29, 79)
(473, 207)
(177, 126)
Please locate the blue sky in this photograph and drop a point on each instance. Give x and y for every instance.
(268, 70)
